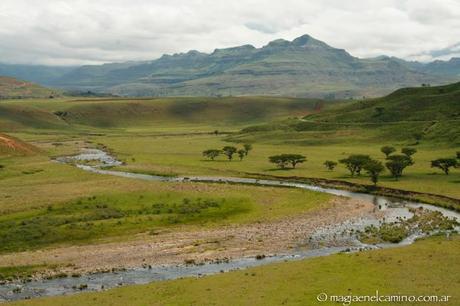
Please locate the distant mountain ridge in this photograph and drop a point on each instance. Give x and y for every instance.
(304, 67)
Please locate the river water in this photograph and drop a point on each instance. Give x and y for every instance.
(392, 209)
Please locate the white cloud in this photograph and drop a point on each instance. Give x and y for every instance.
(89, 31)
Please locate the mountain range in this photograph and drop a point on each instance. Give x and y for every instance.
(304, 67)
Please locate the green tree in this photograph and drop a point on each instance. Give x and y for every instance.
(283, 160)
(241, 153)
(229, 151)
(355, 163)
(444, 164)
(397, 163)
(295, 159)
(408, 151)
(387, 150)
(330, 165)
(247, 148)
(374, 168)
(279, 160)
(458, 154)
(211, 153)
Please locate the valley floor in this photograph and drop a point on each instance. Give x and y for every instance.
(56, 218)
(429, 267)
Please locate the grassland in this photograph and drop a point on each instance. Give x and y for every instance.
(167, 136)
(181, 155)
(44, 204)
(429, 267)
(48, 204)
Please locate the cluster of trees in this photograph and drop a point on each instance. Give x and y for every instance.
(395, 163)
(228, 151)
(358, 162)
(284, 160)
(446, 163)
(355, 163)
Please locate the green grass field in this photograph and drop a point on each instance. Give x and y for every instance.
(167, 137)
(48, 204)
(44, 204)
(429, 267)
(181, 155)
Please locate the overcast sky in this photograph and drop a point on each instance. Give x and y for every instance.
(69, 32)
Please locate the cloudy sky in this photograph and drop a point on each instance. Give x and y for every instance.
(69, 32)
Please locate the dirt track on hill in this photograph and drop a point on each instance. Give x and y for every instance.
(274, 237)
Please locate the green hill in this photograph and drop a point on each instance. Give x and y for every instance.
(13, 88)
(73, 114)
(440, 103)
(430, 113)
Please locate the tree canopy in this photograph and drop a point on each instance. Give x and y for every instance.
(283, 160)
(211, 153)
(229, 151)
(397, 163)
(445, 164)
(387, 150)
(374, 168)
(355, 163)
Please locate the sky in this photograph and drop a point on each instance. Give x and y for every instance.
(75, 32)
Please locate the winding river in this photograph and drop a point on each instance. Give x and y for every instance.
(392, 208)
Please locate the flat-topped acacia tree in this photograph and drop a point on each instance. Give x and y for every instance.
(229, 151)
(283, 160)
(445, 164)
(211, 153)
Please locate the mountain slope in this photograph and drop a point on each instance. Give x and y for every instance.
(304, 67)
(13, 88)
(86, 114)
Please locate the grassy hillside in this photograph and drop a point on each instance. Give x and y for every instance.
(13, 146)
(431, 113)
(214, 113)
(432, 271)
(13, 88)
(438, 103)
